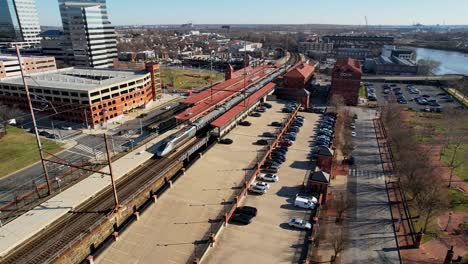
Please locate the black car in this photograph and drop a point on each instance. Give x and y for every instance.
(226, 141)
(276, 124)
(53, 136)
(247, 210)
(267, 105)
(44, 133)
(241, 219)
(268, 134)
(245, 123)
(287, 110)
(262, 142)
(255, 114)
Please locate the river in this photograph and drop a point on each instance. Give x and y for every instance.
(451, 62)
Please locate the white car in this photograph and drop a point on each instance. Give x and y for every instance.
(256, 189)
(305, 202)
(167, 107)
(269, 177)
(67, 128)
(299, 223)
(353, 133)
(263, 185)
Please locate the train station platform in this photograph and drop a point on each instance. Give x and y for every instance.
(39, 218)
(269, 239)
(168, 231)
(213, 97)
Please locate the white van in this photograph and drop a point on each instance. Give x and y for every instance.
(305, 202)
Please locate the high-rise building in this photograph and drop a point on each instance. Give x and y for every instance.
(88, 33)
(19, 21)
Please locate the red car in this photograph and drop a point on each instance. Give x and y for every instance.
(286, 143)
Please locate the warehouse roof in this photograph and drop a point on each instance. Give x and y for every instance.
(80, 79)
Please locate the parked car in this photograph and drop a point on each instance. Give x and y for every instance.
(268, 134)
(70, 128)
(269, 177)
(299, 223)
(245, 123)
(246, 210)
(226, 141)
(262, 142)
(256, 189)
(255, 114)
(267, 105)
(53, 136)
(271, 169)
(285, 143)
(305, 202)
(263, 185)
(241, 218)
(353, 133)
(276, 124)
(44, 133)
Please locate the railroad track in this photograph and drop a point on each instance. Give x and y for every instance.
(295, 58)
(41, 248)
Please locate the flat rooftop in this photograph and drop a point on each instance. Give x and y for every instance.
(79, 79)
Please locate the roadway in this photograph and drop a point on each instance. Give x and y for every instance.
(371, 234)
(84, 147)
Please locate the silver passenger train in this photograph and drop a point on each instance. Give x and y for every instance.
(178, 139)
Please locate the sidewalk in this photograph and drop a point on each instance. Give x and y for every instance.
(37, 219)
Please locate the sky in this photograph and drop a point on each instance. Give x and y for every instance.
(349, 12)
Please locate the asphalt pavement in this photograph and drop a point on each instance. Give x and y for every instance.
(370, 226)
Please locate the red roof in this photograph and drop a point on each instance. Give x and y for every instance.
(226, 117)
(304, 69)
(206, 94)
(219, 97)
(348, 63)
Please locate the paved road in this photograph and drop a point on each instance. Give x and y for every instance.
(87, 147)
(372, 238)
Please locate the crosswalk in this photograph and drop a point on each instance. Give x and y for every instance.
(88, 150)
(76, 137)
(365, 173)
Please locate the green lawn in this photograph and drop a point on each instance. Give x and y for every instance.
(462, 155)
(189, 79)
(18, 149)
(363, 92)
(458, 201)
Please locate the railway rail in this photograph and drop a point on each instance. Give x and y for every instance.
(43, 247)
(47, 244)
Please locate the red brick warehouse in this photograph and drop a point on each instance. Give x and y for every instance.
(346, 80)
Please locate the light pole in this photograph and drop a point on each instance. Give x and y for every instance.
(58, 183)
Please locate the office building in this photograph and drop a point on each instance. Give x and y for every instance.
(92, 96)
(346, 80)
(9, 65)
(19, 21)
(88, 34)
(391, 66)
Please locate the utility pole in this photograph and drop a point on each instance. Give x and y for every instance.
(141, 127)
(109, 162)
(38, 140)
(86, 118)
(211, 78)
(245, 70)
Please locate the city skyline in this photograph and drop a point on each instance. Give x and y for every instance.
(398, 12)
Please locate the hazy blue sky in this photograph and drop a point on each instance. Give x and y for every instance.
(378, 12)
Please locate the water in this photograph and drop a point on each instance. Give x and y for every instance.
(451, 62)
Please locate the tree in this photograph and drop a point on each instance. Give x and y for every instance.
(341, 205)
(338, 102)
(171, 77)
(339, 241)
(7, 113)
(427, 67)
(455, 161)
(432, 199)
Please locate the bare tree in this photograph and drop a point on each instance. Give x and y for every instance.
(338, 102)
(455, 161)
(7, 113)
(427, 67)
(341, 205)
(339, 241)
(432, 199)
(171, 77)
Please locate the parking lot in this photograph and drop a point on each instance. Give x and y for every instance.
(269, 238)
(425, 91)
(168, 231)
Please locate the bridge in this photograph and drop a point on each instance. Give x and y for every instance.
(431, 78)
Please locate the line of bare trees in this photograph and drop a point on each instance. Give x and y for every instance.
(420, 180)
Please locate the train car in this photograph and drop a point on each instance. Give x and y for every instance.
(171, 143)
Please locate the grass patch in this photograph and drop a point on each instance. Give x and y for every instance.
(363, 92)
(462, 154)
(189, 79)
(432, 230)
(458, 201)
(18, 149)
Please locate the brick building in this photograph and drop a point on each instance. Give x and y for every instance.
(9, 65)
(346, 80)
(91, 96)
(296, 83)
